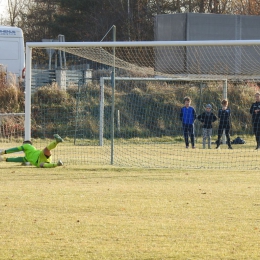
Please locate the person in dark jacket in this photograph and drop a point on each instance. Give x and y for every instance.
(207, 118)
(224, 123)
(188, 116)
(255, 112)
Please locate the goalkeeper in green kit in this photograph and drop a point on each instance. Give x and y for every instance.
(38, 158)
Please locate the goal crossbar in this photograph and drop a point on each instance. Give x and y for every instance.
(59, 45)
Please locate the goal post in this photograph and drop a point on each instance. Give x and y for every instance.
(28, 92)
(146, 116)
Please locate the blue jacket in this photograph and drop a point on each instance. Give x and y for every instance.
(188, 115)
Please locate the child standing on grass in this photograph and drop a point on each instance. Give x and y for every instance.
(255, 112)
(188, 116)
(207, 118)
(224, 123)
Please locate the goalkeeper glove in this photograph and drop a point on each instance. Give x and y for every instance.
(2, 152)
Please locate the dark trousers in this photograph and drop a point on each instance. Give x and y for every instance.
(221, 128)
(188, 130)
(256, 129)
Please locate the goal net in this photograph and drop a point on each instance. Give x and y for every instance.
(11, 127)
(126, 111)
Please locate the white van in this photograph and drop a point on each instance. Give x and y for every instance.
(12, 55)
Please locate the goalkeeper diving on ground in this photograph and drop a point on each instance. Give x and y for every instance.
(38, 158)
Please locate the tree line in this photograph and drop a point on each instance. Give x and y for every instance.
(90, 20)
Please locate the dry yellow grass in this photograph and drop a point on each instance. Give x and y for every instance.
(93, 212)
(161, 155)
(153, 154)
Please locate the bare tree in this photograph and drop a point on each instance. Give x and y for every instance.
(89, 20)
(14, 11)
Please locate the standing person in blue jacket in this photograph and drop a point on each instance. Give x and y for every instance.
(224, 123)
(255, 112)
(188, 116)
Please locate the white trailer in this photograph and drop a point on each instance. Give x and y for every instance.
(12, 52)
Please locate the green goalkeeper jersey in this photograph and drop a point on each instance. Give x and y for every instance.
(31, 153)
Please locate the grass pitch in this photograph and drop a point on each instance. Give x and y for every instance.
(165, 152)
(90, 212)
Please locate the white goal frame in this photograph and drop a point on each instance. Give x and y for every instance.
(102, 101)
(31, 45)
